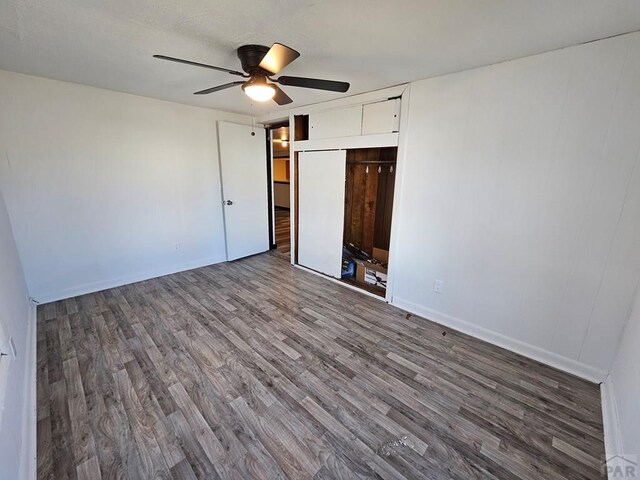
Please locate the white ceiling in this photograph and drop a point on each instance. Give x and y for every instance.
(370, 43)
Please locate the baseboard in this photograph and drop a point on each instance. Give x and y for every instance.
(125, 280)
(565, 364)
(612, 435)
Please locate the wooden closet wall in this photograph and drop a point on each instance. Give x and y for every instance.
(369, 197)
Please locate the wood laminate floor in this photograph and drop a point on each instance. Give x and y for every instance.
(255, 369)
(283, 230)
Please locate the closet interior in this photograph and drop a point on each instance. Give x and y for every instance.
(369, 187)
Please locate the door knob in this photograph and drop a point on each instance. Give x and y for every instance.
(228, 202)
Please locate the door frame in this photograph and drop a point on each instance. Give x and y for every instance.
(270, 127)
(268, 135)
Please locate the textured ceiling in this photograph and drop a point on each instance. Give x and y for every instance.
(372, 44)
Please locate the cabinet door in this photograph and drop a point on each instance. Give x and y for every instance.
(321, 210)
(340, 122)
(381, 117)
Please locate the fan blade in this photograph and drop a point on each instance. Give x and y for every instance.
(278, 57)
(280, 97)
(196, 64)
(218, 88)
(316, 83)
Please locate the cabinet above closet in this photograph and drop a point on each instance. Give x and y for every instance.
(378, 122)
(343, 122)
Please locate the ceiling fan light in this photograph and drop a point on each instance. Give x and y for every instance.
(259, 91)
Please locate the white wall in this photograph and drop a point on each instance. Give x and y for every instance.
(17, 320)
(101, 186)
(522, 193)
(281, 195)
(624, 391)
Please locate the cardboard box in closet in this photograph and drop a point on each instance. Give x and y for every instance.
(372, 273)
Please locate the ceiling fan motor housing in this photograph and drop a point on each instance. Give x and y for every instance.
(250, 57)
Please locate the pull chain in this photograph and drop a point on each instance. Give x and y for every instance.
(253, 121)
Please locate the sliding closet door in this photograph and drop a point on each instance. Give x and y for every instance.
(321, 210)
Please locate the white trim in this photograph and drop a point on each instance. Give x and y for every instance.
(272, 237)
(266, 119)
(396, 213)
(531, 351)
(292, 191)
(611, 421)
(340, 282)
(343, 143)
(125, 280)
(357, 99)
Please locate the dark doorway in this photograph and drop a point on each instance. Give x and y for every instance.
(280, 143)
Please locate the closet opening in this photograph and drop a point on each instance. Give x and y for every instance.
(344, 204)
(369, 187)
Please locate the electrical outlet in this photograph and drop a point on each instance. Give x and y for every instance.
(438, 286)
(178, 246)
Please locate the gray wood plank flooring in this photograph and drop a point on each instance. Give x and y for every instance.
(255, 369)
(283, 230)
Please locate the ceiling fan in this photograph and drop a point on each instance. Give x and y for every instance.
(260, 64)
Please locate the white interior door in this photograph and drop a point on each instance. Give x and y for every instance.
(321, 179)
(243, 164)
